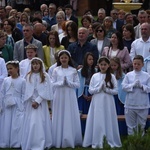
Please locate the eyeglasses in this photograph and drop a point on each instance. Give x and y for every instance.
(25, 30)
(99, 30)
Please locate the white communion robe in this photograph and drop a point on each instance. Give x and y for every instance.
(66, 126)
(24, 67)
(102, 118)
(37, 134)
(12, 97)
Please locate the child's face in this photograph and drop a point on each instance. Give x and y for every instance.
(103, 66)
(90, 60)
(114, 66)
(12, 71)
(30, 53)
(36, 67)
(64, 59)
(137, 64)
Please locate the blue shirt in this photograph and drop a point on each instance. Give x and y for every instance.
(77, 52)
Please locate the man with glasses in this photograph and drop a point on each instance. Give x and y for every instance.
(117, 23)
(19, 47)
(51, 18)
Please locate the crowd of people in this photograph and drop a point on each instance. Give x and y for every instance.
(54, 69)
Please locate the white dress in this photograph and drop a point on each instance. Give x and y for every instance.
(37, 123)
(66, 127)
(3, 71)
(24, 67)
(102, 118)
(12, 95)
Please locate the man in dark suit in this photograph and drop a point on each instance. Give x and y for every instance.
(68, 12)
(117, 23)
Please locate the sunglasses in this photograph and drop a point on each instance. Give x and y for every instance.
(25, 30)
(99, 30)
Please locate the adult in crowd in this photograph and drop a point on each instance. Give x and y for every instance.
(19, 48)
(43, 7)
(60, 17)
(2, 14)
(142, 18)
(129, 19)
(148, 15)
(117, 23)
(71, 31)
(128, 35)
(51, 18)
(69, 15)
(121, 14)
(8, 28)
(101, 15)
(8, 8)
(6, 51)
(117, 49)
(108, 25)
(86, 21)
(81, 47)
(23, 20)
(141, 46)
(101, 40)
(38, 33)
(16, 32)
(52, 46)
(93, 27)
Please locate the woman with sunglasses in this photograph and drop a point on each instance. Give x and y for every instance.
(101, 41)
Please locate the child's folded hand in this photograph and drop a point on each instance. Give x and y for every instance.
(135, 84)
(35, 105)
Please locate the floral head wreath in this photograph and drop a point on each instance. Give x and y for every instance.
(64, 51)
(12, 62)
(31, 46)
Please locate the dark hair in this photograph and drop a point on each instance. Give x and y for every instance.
(88, 11)
(55, 33)
(10, 23)
(120, 40)
(119, 69)
(84, 70)
(36, 19)
(15, 64)
(70, 63)
(108, 73)
(86, 17)
(130, 28)
(140, 57)
(100, 26)
(74, 29)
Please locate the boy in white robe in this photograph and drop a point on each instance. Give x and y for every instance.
(137, 85)
(25, 65)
